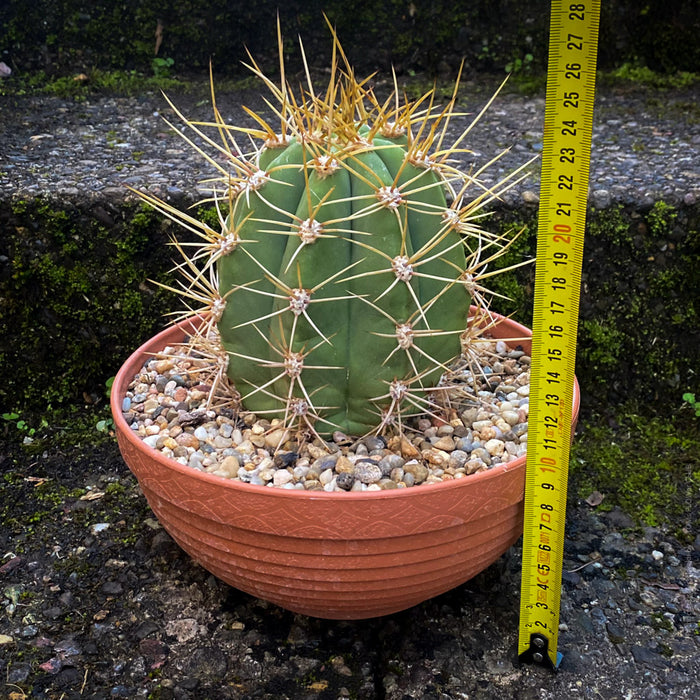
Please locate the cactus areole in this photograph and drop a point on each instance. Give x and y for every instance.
(340, 281)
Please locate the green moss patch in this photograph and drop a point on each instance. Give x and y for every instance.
(647, 465)
(76, 298)
(639, 335)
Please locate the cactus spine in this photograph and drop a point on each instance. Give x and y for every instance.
(342, 276)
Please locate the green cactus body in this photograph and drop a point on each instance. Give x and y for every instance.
(343, 253)
(341, 279)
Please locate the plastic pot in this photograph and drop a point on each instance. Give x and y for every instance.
(348, 555)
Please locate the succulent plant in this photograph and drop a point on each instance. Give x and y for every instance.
(338, 288)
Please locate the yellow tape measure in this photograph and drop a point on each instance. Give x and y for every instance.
(566, 150)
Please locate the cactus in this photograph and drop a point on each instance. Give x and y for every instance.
(340, 283)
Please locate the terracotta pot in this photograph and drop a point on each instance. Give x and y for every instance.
(349, 555)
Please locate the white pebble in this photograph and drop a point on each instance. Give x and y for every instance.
(282, 477)
(495, 447)
(221, 442)
(300, 472)
(510, 417)
(326, 476)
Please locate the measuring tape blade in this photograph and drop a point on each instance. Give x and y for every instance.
(568, 127)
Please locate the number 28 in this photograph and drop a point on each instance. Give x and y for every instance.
(576, 11)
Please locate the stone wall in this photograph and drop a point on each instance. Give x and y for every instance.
(81, 296)
(638, 336)
(76, 294)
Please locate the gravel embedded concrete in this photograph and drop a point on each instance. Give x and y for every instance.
(645, 144)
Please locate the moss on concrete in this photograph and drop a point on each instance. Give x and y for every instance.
(639, 334)
(648, 466)
(76, 297)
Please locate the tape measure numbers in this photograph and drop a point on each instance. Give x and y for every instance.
(568, 128)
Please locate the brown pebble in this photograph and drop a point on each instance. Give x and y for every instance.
(408, 450)
(445, 443)
(344, 465)
(160, 443)
(193, 418)
(230, 466)
(418, 471)
(397, 474)
(180, 394)
(387, 484)
(275, 438)
(473, 466)
(488, 433)
(249, 419)
(187, 440)
(170, 443)
(469, 416)
(436, 457)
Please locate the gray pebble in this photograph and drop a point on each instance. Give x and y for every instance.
(458, 458)
(367, 472)
(344, 481)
